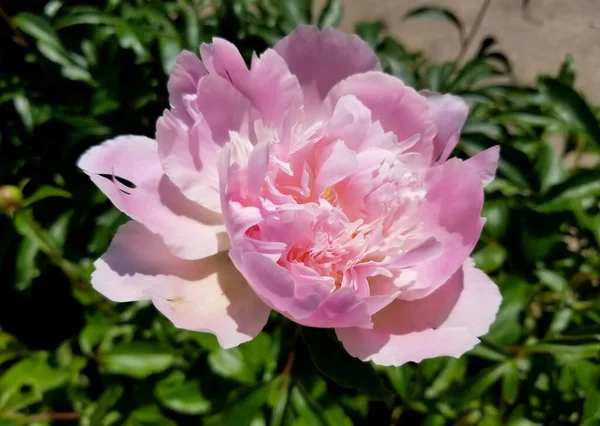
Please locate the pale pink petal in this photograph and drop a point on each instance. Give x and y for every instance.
(445, 323)
(320, 59)
(448, 113)
(183, 83)
(399, 108)
(224, 59)
(275, 285)
(269, 85)
(188, 157)
(334, 163)
(485, 164)
(451, 214)
(273, 90)
(188, 229)
(207, 295)
(223, 107)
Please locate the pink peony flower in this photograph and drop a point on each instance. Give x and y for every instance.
(312, 184)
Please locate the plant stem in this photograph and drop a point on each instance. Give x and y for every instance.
(466, 43)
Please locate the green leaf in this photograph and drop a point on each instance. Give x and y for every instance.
(299, 11)
(571, 108)
(553, 280)
(490, 258)
(561, 197)
(148, 415)
(474, 71)
(137, 359)
(496, 214)
(436, 12)
(26, 268)
(474, 388)
(37, 27)
(25, 382)
(309, 412)
(246, 404)
(181, 396)
(23, 107)
(336, 364)
(437, 75)
(549, 167)
(83, 15)
(566, 74)
(583, 351)
(369, 31)
(230, 363)
(400, 378)
(453, 372)
(46, 191)
(510, 383)
(102, 407)
(331, 15)
(281, 405)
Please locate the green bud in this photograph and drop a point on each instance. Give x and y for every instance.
(11, 199)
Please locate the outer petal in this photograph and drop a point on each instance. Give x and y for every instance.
(183, 82)
(451, 214)
(399, 108)
(189, 230)
(206, 295)
(320, 59)
(449, 114)
(188, 157)
(269, 86)
(445, 323)
(485, 164)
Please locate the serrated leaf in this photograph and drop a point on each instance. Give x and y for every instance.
(336, 364)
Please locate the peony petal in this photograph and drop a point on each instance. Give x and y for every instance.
(449, 114)
(445, 323)
(183, 83)
(189, 230)
(399, 108)
(485, 164)
(269, 85)
(206, 295)
(274, 284)
(451, 214)
(321, 59)
(334, 163)
(188, 159)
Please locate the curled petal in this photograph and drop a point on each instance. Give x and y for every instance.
(445, 323)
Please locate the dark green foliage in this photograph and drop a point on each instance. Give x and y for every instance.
(75, 73)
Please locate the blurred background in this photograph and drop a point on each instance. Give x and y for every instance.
(73, 73)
